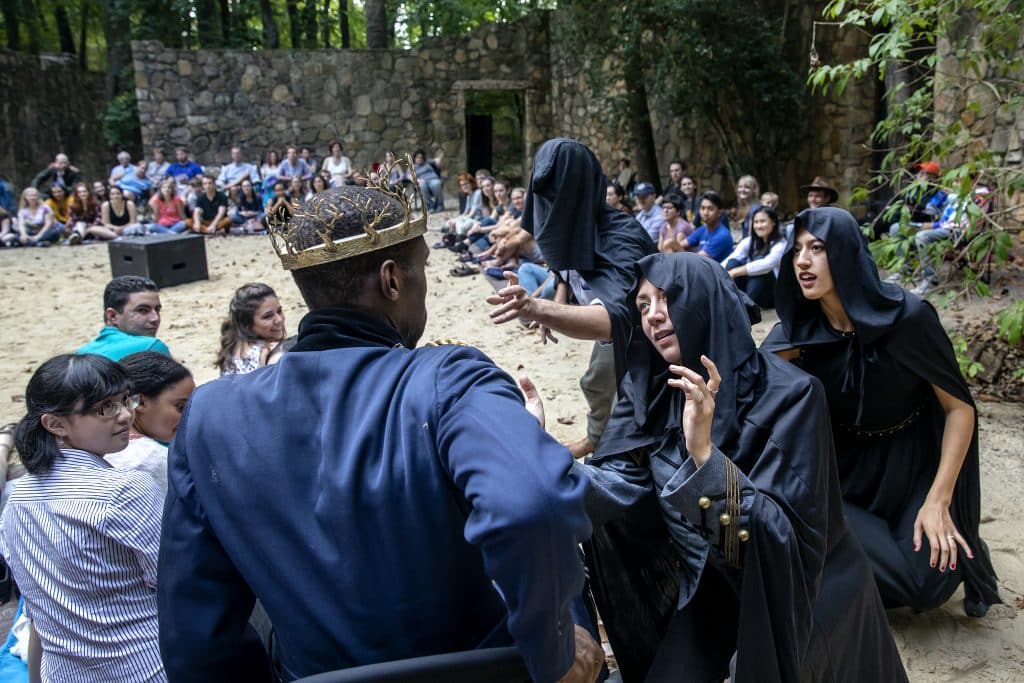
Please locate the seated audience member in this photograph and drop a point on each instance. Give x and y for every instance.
(60, 204)
(675, 229)
(168, 209)
(118, 218)
(616, 198)
(748, 192)
(99, 191)
(676, 169)
(8, 236)
(820, 193)
(502, 202)
(428, 174)
(81, 537)
(195, 188)
(691, 201)
(211, 212)
(951, 225)
(136, 185)
(480, 174)
(294, 166)
(925, 205)
(754, 263)
(647, 211)
(156, 170)
(718, 473)
(268, 171)
(232, 174)
(163, 386)
(248, 212)
(316, 185)
(771, 200)
(183, 169)
(59, 172)
(84, 215)
(124, 165)
(339, 166)
(35, 221)
(626, 176)
(296, 189)
(509, 524)
(252, 332)
(306, 154)
(712, 238)
(279, 210)
(131, 319)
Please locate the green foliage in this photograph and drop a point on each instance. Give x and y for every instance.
(968, 366)
(120, 122)
(434, 18)
(1011, 323)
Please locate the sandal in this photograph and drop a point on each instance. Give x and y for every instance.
(463, 269)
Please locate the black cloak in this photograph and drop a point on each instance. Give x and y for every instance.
(780, 590)
(896, 329)
(575, 229)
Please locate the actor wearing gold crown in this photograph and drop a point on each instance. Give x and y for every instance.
(357, 489)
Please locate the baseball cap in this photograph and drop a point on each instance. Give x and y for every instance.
(644, 190)
(930, 167)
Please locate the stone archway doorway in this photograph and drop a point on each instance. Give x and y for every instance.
(495, 131)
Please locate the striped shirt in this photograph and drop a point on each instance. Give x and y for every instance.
(81, 540)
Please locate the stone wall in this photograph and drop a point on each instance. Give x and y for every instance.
(371, 100)
(49, 107)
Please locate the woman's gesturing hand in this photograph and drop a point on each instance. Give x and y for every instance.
(699, 409)
(934, 523)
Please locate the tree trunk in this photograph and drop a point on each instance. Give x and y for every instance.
(225, 22)
(294, 33)
(12, 23)
(271, 36)
(346, 38)
(324, 19)
(83, 33)
(30, 12)
(117, 30)
(67, 39)
(376, 24)
(208, 24)
(639, 132)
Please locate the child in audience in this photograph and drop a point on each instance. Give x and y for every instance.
(164, 386)
(279, 209)
(80, 537)
(252, 332)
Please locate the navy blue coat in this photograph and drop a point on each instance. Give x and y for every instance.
(382, 503)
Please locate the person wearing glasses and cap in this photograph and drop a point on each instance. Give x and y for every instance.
(347, 489)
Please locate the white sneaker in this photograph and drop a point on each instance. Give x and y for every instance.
(922, 287)
(895, 278)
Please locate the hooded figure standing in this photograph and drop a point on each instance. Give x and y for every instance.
(592, 248)
(905, 425)
(729, 452)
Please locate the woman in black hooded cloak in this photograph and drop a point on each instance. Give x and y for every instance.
(905, 427)
(736, 457)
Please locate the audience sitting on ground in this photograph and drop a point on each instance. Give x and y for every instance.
(647, 211)
(84, 215)
(294, 166)
(925, 204)
(428, 173)
(616, 198)
(279, 209)
(59, 172)
(251, 336)
(754, 263)
(626, 177)
(271, 162)
(339, 166)
(306, 154)
(136, 185)
(296, 189)
(675, 230)
(211, 212)
(118, 218)
(59, 202)
(163, 386)
(7, 235)
(183, 169)
(123, 166)
(318, 184)
(771, 200)
(99, 191)
(712, 238)
(80, 537)
(156, 170)
(168, 209)
(691, 200)
(35, 221)
(248, 214)
(131, 319)
(232, 174)
(195, 188)
(676, 169)
(748, 191)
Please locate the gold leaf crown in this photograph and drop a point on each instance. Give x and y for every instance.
(320, 210)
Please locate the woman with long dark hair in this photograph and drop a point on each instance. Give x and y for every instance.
(754, 263)
(253, 331)
(80, 537)
(905, 426)
(164, 386)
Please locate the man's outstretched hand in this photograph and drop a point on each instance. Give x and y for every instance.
(511, 302)
(534, 403)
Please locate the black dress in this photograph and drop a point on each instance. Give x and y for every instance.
(887, 421)
(742, 567)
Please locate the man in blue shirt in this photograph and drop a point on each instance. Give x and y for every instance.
(712, 239)
(346, 486)
(136, 184)
(131, 315)
(183, 169)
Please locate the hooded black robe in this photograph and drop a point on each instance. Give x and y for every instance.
(575, 229)
(779, 592)
(887, 420)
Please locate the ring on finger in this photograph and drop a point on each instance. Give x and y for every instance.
(951, 538)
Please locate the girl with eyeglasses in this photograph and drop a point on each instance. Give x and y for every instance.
(81, 537)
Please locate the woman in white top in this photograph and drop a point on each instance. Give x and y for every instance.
(164, 386)
(252, 334)
(339, 166)
(754, 263)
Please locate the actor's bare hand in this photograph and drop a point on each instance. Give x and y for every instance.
(534, 403)
(699, 409)
(511, 302)
(589, 657)
(936, 524)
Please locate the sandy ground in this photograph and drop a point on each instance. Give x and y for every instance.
(52, 304)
